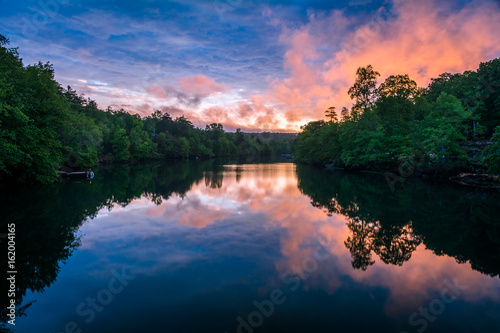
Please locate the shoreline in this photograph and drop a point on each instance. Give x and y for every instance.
(469, 179)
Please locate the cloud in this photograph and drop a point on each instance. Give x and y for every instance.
(173, 111)
(200, 85)
(156, 91)
(274, 66)
(419, 38)
(189, 92)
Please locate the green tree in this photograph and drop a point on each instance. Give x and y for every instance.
(364, 90)
(488, 88)
(399, 86)
(121, 144)
(443, 129)
(183, 148)
(492, 153)
(307, 147)
(141, 146)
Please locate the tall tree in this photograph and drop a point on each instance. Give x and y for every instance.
(364, 90)
(331, 114)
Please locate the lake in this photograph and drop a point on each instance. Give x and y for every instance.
(278, 247)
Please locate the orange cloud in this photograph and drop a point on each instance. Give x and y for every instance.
(414, 38)
(420, 38)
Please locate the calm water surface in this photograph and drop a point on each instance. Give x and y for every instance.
(201, 247)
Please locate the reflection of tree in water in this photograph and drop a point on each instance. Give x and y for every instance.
(239, 171)
(459, 222)
(463, 225)
(48, 217)
(213, 179)
(42, 240)
(360, 244)
(393, 244)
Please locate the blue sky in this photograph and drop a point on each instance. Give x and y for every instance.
(245, 64)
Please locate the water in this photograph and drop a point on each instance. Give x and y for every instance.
(202, 247)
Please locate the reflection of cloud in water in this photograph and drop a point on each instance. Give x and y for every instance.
(253, 208)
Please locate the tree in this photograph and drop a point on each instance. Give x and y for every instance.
(215, 130)
(399, 86)
(183, 126)
(183, 148)
(492, 153)
(442, 130)
(4, 40)
(345, 114)
(121, 145)
(141, 146)
(307, 145)
(330, 113)
(32, 114)
(365, 87)
(363, 147)
(488, 88)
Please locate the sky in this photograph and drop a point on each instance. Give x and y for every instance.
(255, 65)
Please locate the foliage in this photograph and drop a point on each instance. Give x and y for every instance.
(397, 121)
(45, 127)
(364, 89)
(492, 153)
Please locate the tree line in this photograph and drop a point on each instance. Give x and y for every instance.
(450, 126)
(45, 127)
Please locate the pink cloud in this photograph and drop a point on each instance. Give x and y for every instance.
(156, 91)
(200, 85)
(419, 40)
(189, 92)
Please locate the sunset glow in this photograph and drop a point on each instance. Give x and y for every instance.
(264, 65)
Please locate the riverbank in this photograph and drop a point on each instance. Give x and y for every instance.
(483, 180)
(477, 180)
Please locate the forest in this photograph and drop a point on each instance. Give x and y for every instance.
(45, 127)
(451, 126)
